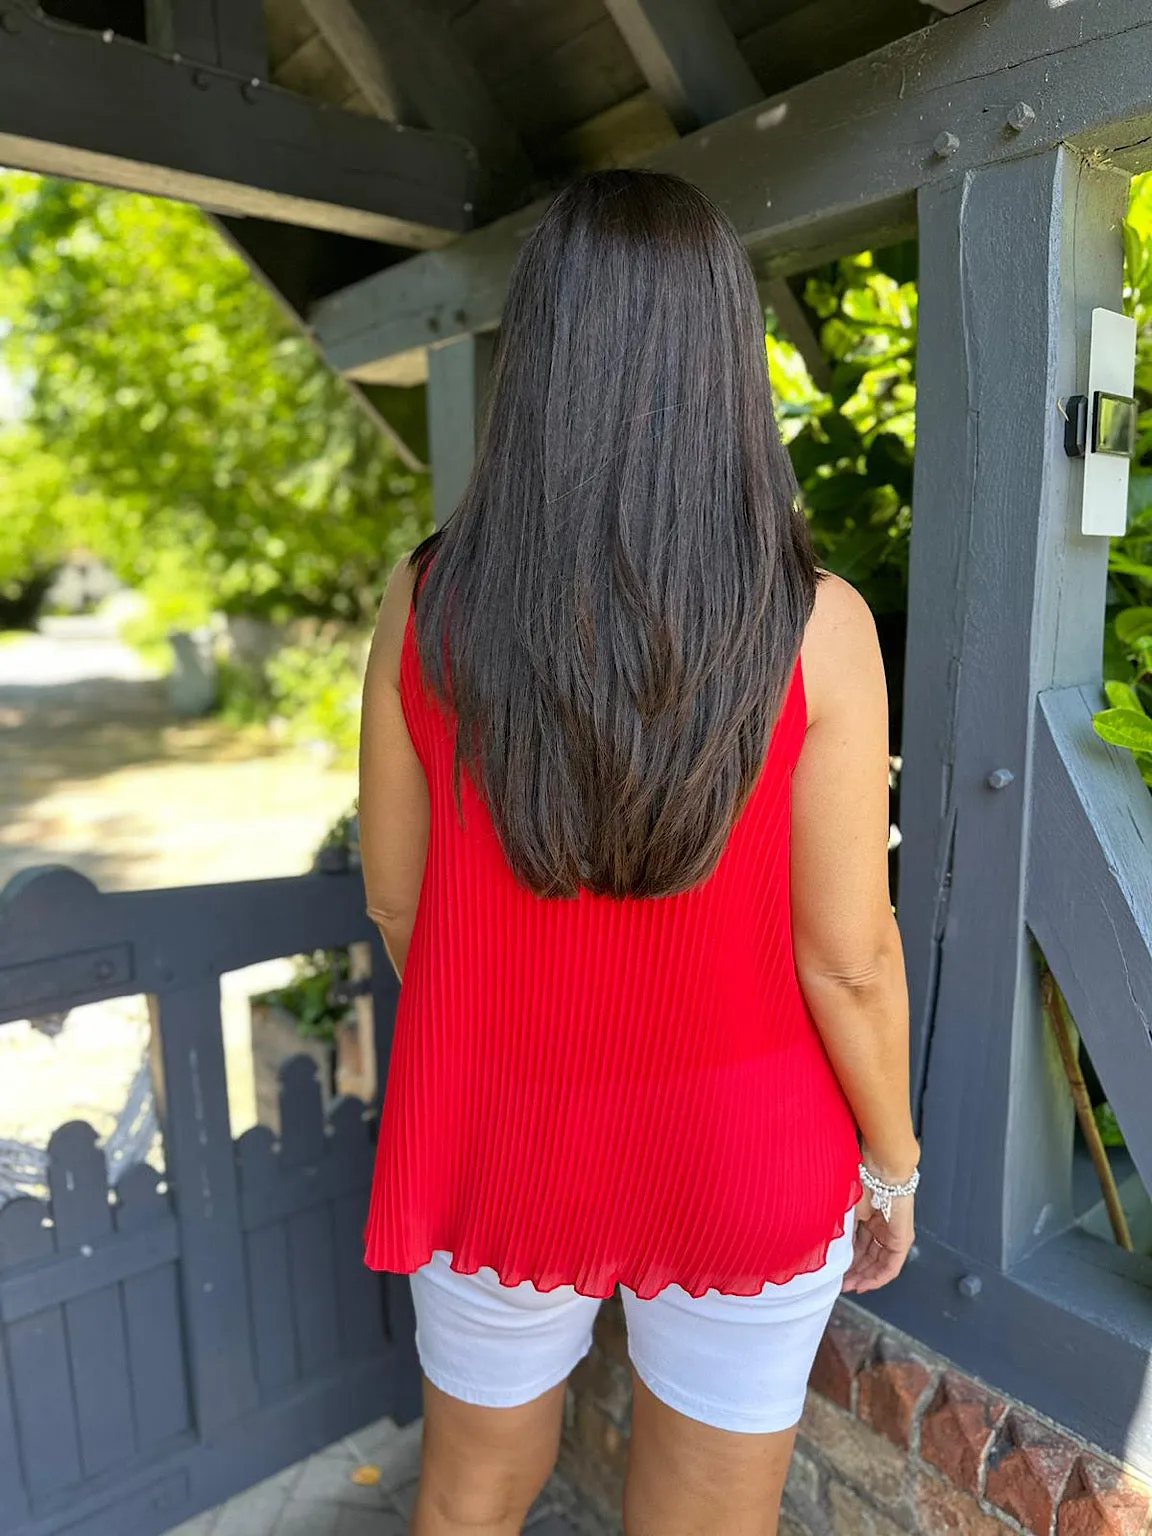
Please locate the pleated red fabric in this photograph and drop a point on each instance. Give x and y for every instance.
(596, 1091)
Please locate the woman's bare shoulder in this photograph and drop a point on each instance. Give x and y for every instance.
(391, 621)
(840, 643)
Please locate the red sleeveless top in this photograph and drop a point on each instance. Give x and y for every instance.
(595, 1091)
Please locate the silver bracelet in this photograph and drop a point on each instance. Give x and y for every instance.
(884, 1194)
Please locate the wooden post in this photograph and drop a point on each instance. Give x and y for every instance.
(457, 375)
(192, 1100)
(1007, 599)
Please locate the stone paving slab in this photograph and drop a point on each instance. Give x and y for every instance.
(318, 1496)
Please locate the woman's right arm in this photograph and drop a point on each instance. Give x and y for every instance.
(847, 946)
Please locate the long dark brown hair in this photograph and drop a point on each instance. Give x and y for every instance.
(615, 609)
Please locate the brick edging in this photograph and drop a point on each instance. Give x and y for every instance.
(970, 1461)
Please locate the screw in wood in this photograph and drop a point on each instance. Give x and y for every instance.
(970, 1286)
(1020, 116)
(1000, 778)
(945, 144)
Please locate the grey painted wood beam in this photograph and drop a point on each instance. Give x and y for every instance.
(127, 116)
(457, 379)
(689, 58)
(832, 165)
(229, 33)
(1006, 600)
(1090, 900)
(698, 74)
(404, 58)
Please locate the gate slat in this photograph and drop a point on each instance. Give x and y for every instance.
(152, 1319)
(38, 1361)
(270, 1290)
(99, 1356)
(98, 1351)
(361, 1310)
(192, 1095)
(314, 1288)
(12, 1496)
(38, 1353)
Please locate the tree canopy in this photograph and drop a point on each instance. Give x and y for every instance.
(175, 421)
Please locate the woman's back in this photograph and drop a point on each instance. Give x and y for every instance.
(624, 825)
(638, 1079)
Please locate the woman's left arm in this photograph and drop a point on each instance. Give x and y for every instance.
(393, 790)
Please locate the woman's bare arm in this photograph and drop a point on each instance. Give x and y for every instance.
(847, 945)
(393, 790)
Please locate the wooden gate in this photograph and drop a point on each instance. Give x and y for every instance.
(174, 1338)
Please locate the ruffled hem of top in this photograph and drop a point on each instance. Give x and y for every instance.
(645, 1287)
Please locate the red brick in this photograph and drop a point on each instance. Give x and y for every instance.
(891, 1389)
(942, 1510)
(1101, 1501)
(1028, 1467)
(854, 1454)
(843, 1350)
(958, 1428)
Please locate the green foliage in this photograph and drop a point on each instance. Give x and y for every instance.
(1128, 639)
(312, 996)
(852, 443)
(316, 688)
(1108, 1125)
(176, 423)
(309, 996)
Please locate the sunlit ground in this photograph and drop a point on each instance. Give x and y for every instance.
(95, 772)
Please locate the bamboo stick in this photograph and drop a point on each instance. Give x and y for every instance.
(1062, 1027)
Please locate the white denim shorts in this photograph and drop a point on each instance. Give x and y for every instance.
(735, 1362)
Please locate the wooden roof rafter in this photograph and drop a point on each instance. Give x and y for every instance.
(97, 107)
(840, 157)
(405, 62)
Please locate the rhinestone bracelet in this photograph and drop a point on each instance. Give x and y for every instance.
(884, 1194)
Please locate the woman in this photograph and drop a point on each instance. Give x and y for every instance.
(624, 821)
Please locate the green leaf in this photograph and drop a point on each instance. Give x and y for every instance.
(1123, 696)
(1134, 625)
(1124, 565)
(1108, 1125)
(1125, 728)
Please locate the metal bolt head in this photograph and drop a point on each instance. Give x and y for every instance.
(945, 144)
(970, 1286)
(200, 80)
(250, 89)
(1020, 116)
(1000, 778)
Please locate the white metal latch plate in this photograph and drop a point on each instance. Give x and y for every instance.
(1111, 375)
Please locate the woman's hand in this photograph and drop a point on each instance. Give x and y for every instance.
(880, 1246)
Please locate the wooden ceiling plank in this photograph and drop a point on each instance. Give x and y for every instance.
(406, 63)
(230, 33)
(829, 166)
(72, 104)
(689, 58)
(698, 74)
